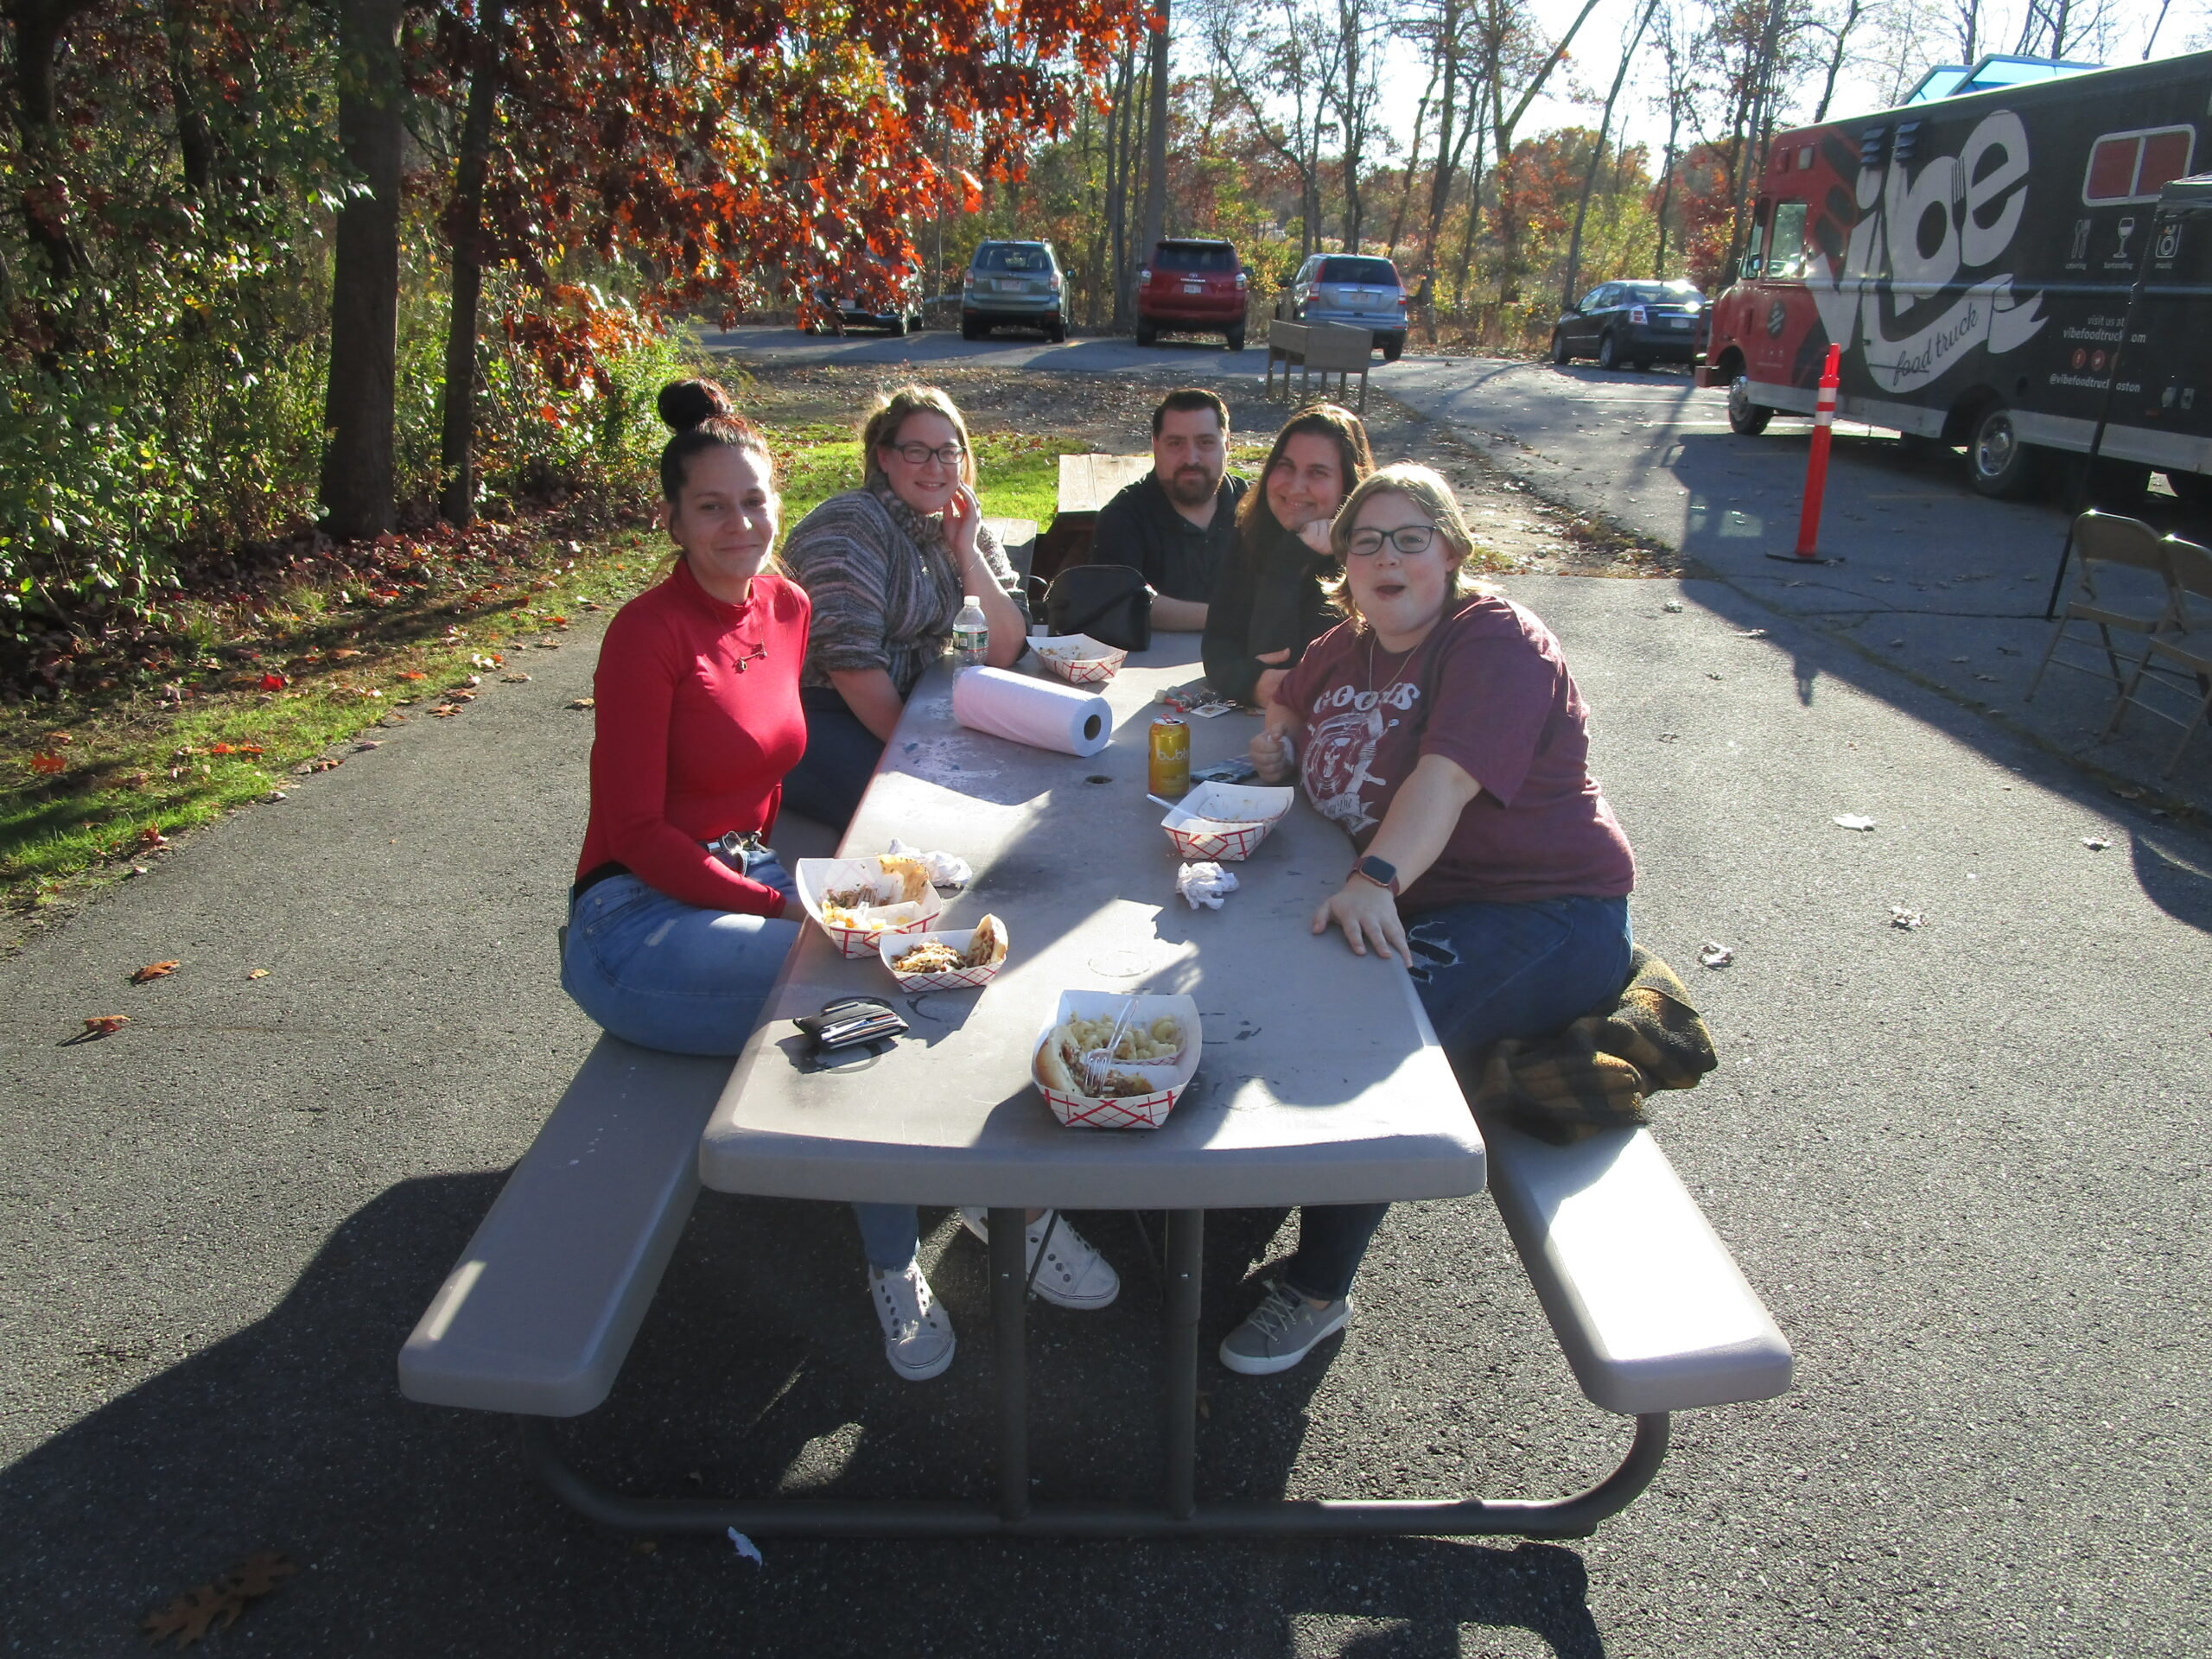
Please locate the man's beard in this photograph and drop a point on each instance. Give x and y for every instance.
(1192, 484)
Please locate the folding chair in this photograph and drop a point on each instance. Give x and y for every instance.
(2189, 567)
(2109, 540)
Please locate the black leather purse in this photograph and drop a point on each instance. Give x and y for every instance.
(1110, 602)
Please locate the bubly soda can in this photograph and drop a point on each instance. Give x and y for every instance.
(1169, 766)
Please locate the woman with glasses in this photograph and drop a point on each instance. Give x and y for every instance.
(1267, 600)
(1440, 727)
(887, 566)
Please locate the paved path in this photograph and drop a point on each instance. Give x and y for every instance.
(1936, 582)
(1965, 1165)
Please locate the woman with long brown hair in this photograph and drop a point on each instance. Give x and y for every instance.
(1267, 602)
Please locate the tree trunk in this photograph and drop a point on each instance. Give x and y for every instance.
(1156, 182)
(1596, 155)
(195, 144)
(1413, 164)
(43, 196)
(465, 234)
(1851, 16)
(358, 410)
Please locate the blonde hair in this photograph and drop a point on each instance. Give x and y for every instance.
(1427, 489)
(890, 413)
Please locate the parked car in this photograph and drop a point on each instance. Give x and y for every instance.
(849, 311)
(1638, 323)
(1016, 282)
(1191, 285)
(1357, 289)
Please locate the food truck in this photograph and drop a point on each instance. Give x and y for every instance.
(1972, 252)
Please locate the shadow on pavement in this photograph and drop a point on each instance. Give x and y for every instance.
(759, 1369)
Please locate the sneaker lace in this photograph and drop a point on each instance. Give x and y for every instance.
(1273, 1317)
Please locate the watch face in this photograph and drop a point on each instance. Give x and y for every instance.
(1386, 873)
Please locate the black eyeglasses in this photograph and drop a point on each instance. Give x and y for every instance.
(1408, 539)
(919, 454)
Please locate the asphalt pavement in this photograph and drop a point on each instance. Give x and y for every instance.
(1964, 1164)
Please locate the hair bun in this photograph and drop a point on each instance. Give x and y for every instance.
(686, 403)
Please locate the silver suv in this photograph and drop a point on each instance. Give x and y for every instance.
(1016, 282)
(1358, 289)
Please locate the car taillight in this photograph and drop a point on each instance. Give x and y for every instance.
(1637, 314)
(1242, 282)
(967, 280)
(1056, 282)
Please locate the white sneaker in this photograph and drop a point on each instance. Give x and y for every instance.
(917, 1332)
(1073, 1274)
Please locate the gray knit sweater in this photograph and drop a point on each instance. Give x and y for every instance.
(885, 587)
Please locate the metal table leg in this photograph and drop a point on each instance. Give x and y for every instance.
(1009, 1333)
(1186, 1237)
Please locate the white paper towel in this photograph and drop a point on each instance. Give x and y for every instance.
(1039, 712)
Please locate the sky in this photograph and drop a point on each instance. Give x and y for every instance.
(1596, 55)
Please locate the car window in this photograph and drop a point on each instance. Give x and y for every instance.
(1009, 255)
(1787, 259)
(1661, 293)
(1218, 257)
(1345, 268)
(1594, 300)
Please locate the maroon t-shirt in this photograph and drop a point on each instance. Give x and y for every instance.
(1489, 689)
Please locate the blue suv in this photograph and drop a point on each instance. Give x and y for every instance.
(1016, 282)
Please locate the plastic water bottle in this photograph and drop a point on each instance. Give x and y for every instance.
(971, 633)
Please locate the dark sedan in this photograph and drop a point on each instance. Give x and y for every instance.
(1638, 323)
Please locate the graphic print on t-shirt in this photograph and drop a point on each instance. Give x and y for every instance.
(1345, 728)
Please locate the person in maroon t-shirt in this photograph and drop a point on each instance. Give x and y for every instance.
(1440, 727)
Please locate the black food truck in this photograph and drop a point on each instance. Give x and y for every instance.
(1972, 255)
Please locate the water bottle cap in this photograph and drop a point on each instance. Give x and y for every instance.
(972, 599)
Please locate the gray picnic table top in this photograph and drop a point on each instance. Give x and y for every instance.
(1320, 1082)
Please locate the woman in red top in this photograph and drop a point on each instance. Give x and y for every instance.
(1440, 727)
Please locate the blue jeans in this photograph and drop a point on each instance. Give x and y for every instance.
(1483, 972)
(840, 756)
(661, 973)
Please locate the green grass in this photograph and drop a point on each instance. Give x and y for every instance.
(137, 766)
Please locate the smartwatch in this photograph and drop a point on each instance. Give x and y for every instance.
(1382, 874)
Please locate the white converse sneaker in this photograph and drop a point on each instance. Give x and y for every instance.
(917, 1332)
(1073, 1274)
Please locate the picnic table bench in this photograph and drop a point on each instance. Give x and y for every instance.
(1323, 348)
(1088, 482)
(535, 1317)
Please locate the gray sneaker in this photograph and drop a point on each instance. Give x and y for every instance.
(1280, 1331)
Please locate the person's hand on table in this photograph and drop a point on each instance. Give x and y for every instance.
(1368, 913)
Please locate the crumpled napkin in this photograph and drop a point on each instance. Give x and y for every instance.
(1204, 885)
(945, 869)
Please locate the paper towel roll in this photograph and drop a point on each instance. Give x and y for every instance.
(1039, 712)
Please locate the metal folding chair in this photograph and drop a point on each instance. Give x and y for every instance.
(2189, 569)
(2116, 542)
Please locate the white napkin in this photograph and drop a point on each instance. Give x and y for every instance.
(945, 869)
(1205, 884)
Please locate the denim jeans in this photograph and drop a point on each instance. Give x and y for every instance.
(1483, 972)
(661, 973)
(841, 755)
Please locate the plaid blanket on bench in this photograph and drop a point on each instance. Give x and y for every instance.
(1596, 1073)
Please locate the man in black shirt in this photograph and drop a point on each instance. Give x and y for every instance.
(1178, 522)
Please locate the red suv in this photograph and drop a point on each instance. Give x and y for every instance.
(1192, 286)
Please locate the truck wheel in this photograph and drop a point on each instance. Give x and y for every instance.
(1237, 340)
(1745, 418)
(1609, 351)
(1999, 464)
(1560, 353)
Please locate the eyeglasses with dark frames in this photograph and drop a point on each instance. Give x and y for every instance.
(1408, 539)
(919, 454)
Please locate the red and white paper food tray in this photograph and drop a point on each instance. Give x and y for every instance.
(1079, 659)
(1225, 822)
(1146, 1112)
(906, 902)
(958, 979)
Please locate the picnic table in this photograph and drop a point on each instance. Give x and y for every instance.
(1088, 482)
(536, 1316)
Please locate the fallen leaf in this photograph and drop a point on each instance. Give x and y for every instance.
(558, 621)
(1900, 916)
(273, 681)
(343, 653)
(368, 743)
(154, 971)
(106, 1024)
(257, 973)
(217, 1605)
(1674, 604)
(1751, 633)
(2095, 844)
(412, 674)
(1713, 954)
(2128, 791)
(582, 702)
(1854, 820)
(515, 679)
(151, 835)
(49, 764)
(445, 712)
(645, 1546)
